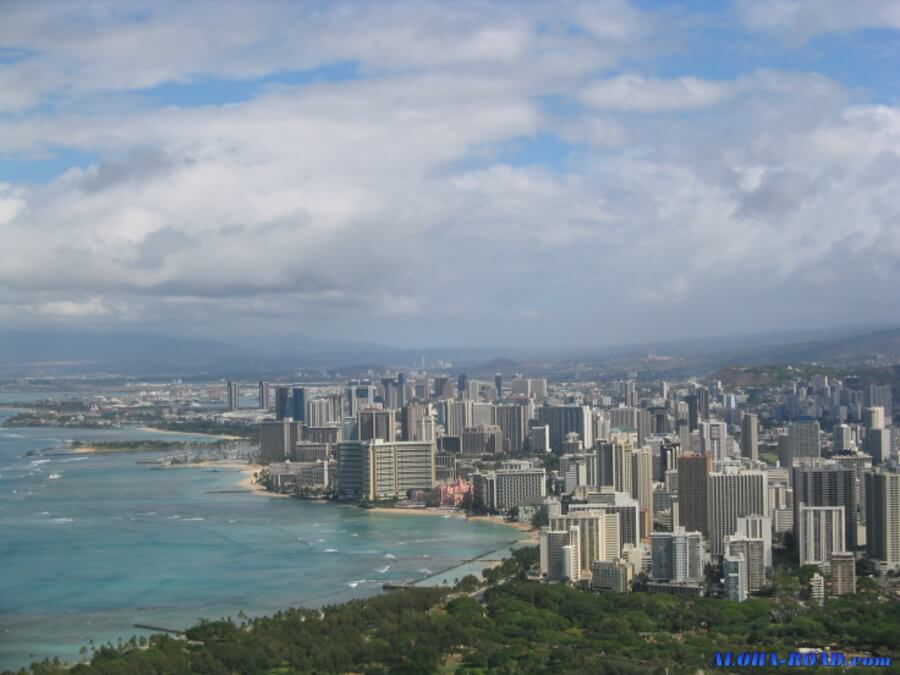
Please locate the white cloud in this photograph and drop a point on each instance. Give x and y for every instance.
(390, 202)
(634, 92)
(803, 19)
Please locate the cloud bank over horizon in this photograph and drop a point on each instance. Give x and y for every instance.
(472, 173)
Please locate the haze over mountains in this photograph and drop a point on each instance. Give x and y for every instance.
(45, 352)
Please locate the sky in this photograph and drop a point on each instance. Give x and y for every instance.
(467, 174)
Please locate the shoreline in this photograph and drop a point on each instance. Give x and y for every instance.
(224, 437)
(245, 470)
(524, 528)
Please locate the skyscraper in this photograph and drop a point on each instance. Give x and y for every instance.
(298, 404)
(881, 395)
(359, 396)
(693, 491)
(401, 389)
(827, 484)
(714, 439)
(563, 419)
(733, 493)
(264, 395)
(232, 396)
(883, 517)
(750, 436)
(803, 439)
(820, 532)
(703, 403)
(631, 398)
(513, 423)
(614, 465)
(380, 424)
(282, 402)
(498, 385)
(371, 470)
(642, 487)
(693, 412)
(413, 423)
(560, 554)
(677, 556)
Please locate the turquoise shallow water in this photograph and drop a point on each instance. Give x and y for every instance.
(110, 543)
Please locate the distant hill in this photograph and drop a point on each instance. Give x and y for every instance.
(74, 349)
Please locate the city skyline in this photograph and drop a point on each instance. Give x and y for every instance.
(454, 174)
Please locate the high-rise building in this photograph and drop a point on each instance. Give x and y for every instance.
(820, 532)
(265, 400)
(517, 484)
(539, 439)
(623, 418)
(485, 439)
(881, 395)
(733, 493)
(817, 589)
(883, 517)
(642, 487)
(359, 395)
(462, 386)
(703, 403)
(620, 503)
(401, 390)
(564, 419)
(841, 438)
(282, 403)
(878, 445)
(560, 555)
(373, 470)
(614, 465)
(631, 398)
(754, 555)
(513, 423)
(390, 393)
(758, 527)
(612, 575)
(277, 439)
(598, 532)
(803, 439)
(693, 412)
(456, 416)
(233, 396)
(843, 573)
(677, 556)
(381, 424)
(442, 388)
(714, 439)
(825, 483)
(417, 422)
(298, 404)
(538, 388)
(873, 417)
(318, 412)
(734, 569)
(482, 413)
(498, 385)
(750, 436)
(693, 492)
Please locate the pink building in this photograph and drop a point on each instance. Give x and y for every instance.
(452, 494)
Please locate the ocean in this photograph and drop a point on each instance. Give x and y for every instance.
(92, 545)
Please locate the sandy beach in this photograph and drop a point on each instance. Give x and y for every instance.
(224, 437)
(525, 528)
(247, 472)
